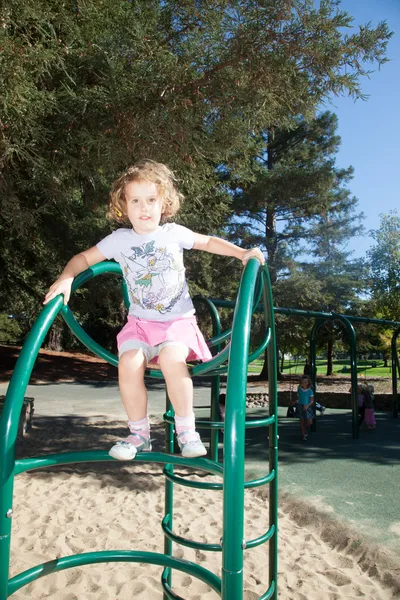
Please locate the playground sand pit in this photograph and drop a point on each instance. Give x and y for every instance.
(108, 506)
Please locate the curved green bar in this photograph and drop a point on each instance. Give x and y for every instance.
(94, 271)
(218, 339)
(212, 547)
(184, 542)
(201, 485)
(111, 267)
(270, 593)
(65, 458)
(249, 423)
(89, 558)
(86, 339)
(168, 592)
(354, 374)
(205, 485)
(9, 427)
(269, 478)
(201, 369)
(262, 539)
(216, 321)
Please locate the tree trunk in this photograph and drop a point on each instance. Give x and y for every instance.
(329, 366)
(55, 337)
(271, 244)
(263, 376)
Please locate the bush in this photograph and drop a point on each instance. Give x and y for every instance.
(10, 330)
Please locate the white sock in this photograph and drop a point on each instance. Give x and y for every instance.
(184, 424)
(141, 427)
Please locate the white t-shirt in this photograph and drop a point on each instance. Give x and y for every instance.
(152, 265)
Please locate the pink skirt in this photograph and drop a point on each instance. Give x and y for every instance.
(185, 331)
(370, 417)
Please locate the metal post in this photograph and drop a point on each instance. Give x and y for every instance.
(354, 376)
(273, 432)
(169, 490)
(313, 366)
(395, 366)
(353, 364)
(214, 416)
(234, 441)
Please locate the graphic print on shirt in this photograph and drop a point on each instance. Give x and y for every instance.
(145, 273)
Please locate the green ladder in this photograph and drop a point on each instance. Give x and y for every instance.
(233, 360)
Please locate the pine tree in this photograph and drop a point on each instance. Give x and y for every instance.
(298, 204)
(296, 180)
(341, 279)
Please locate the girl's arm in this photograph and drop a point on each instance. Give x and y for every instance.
(79, 263)
(216, 245)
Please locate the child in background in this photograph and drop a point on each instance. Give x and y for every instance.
(305, 396)
(222, 406)
(161, 323)
(307, 371)
(369, 406)
(361, 404)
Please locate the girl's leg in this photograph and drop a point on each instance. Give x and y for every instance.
(131, 368)
(132, 364)
(178, 381)
(179, 384)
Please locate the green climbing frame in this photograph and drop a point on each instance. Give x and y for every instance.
(233, 360)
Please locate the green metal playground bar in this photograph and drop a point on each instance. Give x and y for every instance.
(233, 359)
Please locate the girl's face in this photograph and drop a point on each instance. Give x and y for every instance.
(143, 206)
(304, 383)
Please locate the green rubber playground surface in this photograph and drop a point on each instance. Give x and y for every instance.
(356, 482)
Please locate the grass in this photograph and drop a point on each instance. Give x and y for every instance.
(372, 368)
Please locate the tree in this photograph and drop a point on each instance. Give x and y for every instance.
(300, 204)
(384, 266)
(296, 180)
(341, 279)
(89, 87)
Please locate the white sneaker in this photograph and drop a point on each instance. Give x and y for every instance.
(191, 445)
(126, 450)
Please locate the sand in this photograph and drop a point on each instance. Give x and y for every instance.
(105, 506)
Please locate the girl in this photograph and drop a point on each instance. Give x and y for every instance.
(369, 406)
(161, 323)
(305, 396)
(361, 404)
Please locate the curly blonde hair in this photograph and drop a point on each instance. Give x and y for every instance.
(147, 170)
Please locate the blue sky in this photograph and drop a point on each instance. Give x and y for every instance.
(370, 130)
